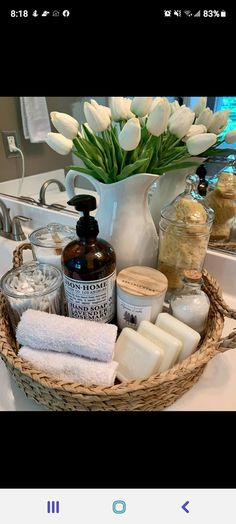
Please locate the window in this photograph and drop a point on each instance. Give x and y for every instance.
(227, 102)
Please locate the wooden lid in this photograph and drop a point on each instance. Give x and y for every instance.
(142, 281)
(192, 275)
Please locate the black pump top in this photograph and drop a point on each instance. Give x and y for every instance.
(203, 183)
(87, 226)
(201, 171)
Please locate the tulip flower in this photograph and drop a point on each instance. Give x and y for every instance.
(160, 99)
(127, 104)
(97, 119)
(180, 122)
(155, 102)
(195, 130)
(65, 124)
(118, 108)
(141, 105)
(107, 110)
(130, 135)
(101, 107)
(200, 105)
(174, 106)
(59, 143)
(219, 121)
(199, 143)
(205, 117)
(158, 118)
(230, 137)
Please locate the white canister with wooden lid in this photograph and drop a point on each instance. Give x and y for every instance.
(140, 295)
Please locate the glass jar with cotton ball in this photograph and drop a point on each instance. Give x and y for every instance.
(33, 286)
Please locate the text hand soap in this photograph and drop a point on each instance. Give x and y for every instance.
(178, 329)
(138, 357)
(89, 268)
(171, 345)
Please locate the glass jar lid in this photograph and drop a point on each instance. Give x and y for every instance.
(31, 279)
(53, 235)
(189, 208)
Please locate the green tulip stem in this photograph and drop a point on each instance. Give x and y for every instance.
(123, 160)
(176, 142)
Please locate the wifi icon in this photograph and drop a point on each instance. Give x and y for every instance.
(188, 13)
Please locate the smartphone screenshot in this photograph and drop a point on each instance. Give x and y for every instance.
(117, 264)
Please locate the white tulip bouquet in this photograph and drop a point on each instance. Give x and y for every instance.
(143, 135)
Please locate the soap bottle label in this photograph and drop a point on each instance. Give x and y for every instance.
(130, 316)
(91, 299)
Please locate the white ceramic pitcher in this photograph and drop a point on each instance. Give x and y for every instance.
(124, 217)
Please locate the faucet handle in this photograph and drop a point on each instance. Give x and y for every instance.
(17, 231)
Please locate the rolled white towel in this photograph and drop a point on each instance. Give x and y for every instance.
(71, 368)
(40, 330)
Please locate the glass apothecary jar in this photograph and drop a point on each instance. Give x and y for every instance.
(190, 304)
(33, 286)
(48, 242)
(185, 227)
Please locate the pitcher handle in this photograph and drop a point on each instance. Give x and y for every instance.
(70, 182)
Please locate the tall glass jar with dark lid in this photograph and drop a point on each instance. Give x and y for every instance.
(185, 227)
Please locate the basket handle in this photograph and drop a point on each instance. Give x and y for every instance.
(212, 288)
(228, 342)
(17, 257)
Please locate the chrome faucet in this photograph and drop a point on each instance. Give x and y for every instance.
(5, 220)
(17, 231)
(11, 228)
(45, 186)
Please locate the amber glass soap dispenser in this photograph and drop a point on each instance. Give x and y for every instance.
(89, 268)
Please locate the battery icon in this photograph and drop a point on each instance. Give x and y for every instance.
(223, 13)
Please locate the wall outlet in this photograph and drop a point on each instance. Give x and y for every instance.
(10, 140)
(11, 143)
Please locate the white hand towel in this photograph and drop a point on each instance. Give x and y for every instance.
(40, 330)
(70, 368)
(35, 118)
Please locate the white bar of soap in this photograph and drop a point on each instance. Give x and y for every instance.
(170, 345)
(137, 356)
(188, 336)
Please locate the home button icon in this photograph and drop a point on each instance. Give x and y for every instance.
(119, 507)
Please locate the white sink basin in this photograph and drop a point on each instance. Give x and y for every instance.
(223, 267)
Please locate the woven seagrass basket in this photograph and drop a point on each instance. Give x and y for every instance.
(152, 394)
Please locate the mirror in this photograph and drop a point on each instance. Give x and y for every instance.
(41, 162)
